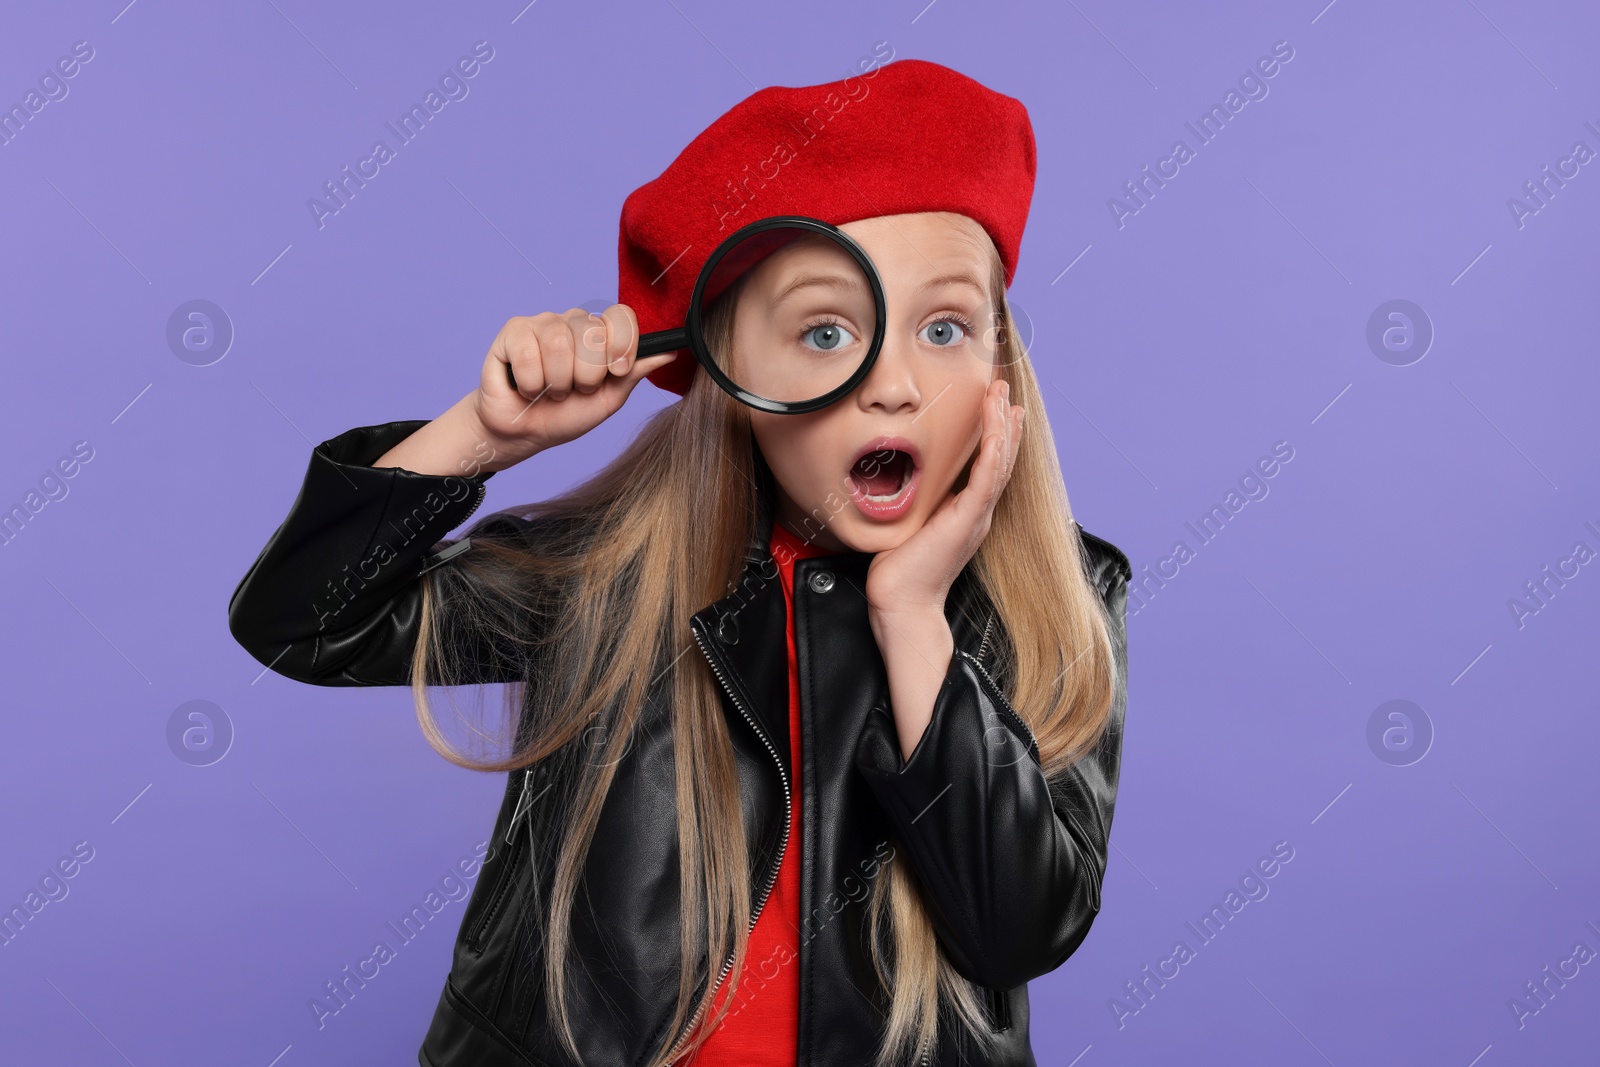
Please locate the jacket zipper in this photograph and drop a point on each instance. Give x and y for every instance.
(783, 844)
(514, 846)
(497, 897)
(985, 645)
(1005, 704)
(483, 490)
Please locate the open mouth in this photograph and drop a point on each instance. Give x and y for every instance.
(883, 478)
(882, 475)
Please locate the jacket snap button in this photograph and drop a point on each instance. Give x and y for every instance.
(821, 581)
(728, 629)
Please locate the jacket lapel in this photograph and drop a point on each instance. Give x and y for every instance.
(745, 635)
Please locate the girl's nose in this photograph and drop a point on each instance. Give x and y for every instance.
(891, 386)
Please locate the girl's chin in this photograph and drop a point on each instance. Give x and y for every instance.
(858, 534)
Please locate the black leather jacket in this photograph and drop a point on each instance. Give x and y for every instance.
(1013, 868)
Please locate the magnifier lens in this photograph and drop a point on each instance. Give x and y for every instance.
(789, 314)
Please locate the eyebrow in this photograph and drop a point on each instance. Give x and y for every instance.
(831, 281)
(956, 278)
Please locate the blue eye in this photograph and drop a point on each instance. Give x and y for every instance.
(944, 332)
(827, 337)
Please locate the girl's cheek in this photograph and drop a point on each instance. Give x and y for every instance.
(958, 478)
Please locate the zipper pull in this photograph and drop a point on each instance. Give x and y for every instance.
(524, 801)
(445, 554)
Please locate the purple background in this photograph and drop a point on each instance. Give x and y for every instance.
(1228, 314)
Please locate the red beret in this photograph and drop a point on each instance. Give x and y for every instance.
(903, 137)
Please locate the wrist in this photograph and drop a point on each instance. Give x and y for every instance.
(924, 632)
(487, 450)
(916, 615)
(917, 649)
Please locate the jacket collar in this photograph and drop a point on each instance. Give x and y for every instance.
(745, 633)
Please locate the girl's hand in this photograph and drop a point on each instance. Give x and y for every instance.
(912, 580)
(572, 372)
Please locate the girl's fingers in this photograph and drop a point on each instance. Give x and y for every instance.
(622, 338)
(1002, 425)
(983, 481)
(515, 353)
(1016, 445)
(1014, 416)
(572, 371)
(556, 346)
(589, 349)
(1010, 417)
(1002, 440)
(959, 533)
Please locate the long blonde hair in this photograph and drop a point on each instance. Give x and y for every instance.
(622, 561)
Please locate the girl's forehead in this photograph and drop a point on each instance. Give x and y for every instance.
(923, 243)
(926, 224)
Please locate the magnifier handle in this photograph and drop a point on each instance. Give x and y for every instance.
(650, 344)
(653, 344)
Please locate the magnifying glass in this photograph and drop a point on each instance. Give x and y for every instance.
(811, 315)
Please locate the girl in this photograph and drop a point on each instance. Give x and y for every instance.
(814, 719)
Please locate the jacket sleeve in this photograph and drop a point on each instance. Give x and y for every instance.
(1013, 865)
(335, 596)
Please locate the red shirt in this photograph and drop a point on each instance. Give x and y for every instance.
(762, 1028)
